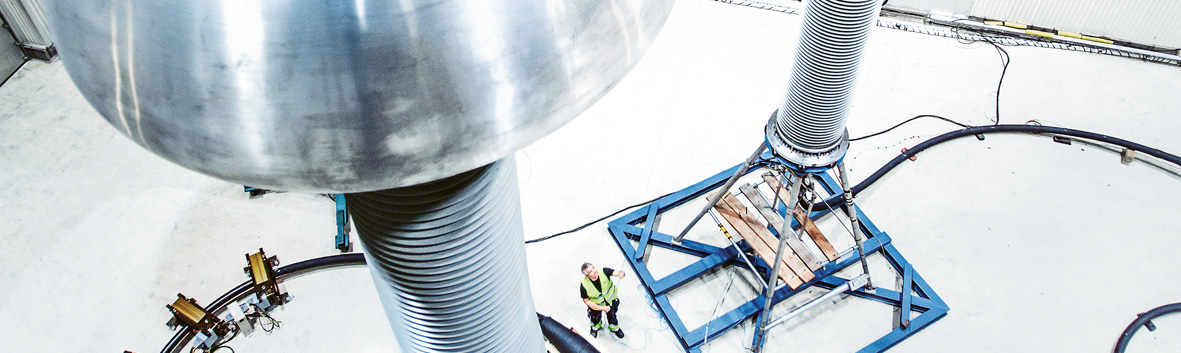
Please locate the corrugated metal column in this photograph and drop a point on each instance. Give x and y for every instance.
(448, 258)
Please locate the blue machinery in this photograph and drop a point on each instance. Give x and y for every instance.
(343, 228)
(805, 139)
(917, 301)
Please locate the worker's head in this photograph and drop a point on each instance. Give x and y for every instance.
(588, 269)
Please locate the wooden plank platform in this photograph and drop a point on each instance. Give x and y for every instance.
(754, 232)
(809, 227)
(776, 222)
(760, 247)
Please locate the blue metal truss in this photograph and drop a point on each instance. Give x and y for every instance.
(916, 296)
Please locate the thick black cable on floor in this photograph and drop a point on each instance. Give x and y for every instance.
(1143, 320)
(839, 199)
(183, 335)
(562, 338)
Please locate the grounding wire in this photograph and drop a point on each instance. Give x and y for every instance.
(581, 227)
(907, 121)
(1005, 58)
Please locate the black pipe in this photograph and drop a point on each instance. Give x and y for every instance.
(839, 199)
(183, 335)
(1143, 319)
(564, 339)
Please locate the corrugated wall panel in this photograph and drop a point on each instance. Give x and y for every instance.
(27, 21)
(1155, 22)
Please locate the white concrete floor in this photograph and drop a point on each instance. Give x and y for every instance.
(1036, 246)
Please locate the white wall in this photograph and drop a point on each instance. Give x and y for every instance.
(952, 6)
(1156, 22)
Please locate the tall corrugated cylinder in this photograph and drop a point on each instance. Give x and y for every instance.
(832, 39)
(448, 258)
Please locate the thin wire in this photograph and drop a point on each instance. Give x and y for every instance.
(705, 342)
(260, 314)
(909, 120)
(581, 227)
(1005, 59)
(833, 212)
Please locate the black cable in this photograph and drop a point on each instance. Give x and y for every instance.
(286, 272)
(1143, 320)
(1005, 59)
(839, 199)
(907, 121)
(967, 131)
(218, 346)
(1004, 69)
(581, 227)
(299, 269)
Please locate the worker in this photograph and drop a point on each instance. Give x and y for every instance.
(600, 295)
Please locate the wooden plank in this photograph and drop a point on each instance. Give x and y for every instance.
(790, 260)
(809, 227)
(760, 247)
(776, 222)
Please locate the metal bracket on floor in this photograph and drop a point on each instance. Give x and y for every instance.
(920, 305)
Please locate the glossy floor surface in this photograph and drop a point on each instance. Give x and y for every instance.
(1035, 245)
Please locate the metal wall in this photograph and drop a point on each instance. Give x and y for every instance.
(1141, 21)
(27, 21)
(952, 6)
(1152, 22)
(11, 56)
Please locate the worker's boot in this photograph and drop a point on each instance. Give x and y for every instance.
(615, 329)
(594, 330)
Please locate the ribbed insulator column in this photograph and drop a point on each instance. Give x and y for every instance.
(448, 258)
(832, 39)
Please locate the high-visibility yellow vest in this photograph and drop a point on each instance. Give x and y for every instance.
(604, 297)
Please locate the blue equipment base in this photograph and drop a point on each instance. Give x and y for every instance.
(916, 298)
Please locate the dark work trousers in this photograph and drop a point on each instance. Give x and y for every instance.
(597, 316)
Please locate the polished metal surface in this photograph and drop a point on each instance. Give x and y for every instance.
(811, 121)
(346, 96)
(449, 262)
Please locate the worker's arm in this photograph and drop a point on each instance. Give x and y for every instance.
(618, 274)
(594, 306)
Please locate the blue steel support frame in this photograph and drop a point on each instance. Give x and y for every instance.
(342, 225)
(916, 297)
